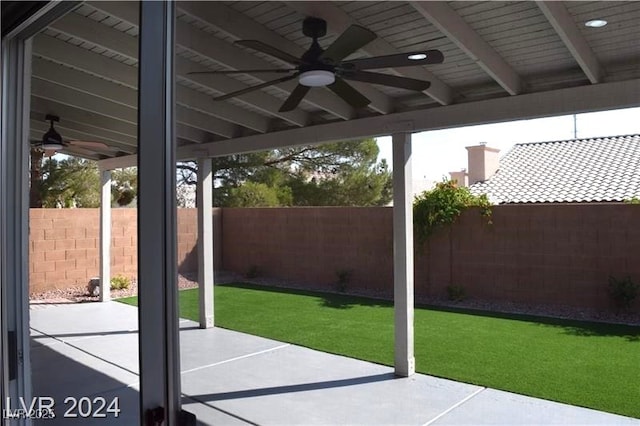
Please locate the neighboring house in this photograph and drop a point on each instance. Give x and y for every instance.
(418, 186)
(604, 169)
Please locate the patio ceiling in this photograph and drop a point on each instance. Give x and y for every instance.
(503, 61)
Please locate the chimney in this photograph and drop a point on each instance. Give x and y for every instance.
(483, 162)
(460, 177)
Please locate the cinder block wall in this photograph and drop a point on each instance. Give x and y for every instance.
(64, 246)
(552, 254)
(557, 254)
(311, 245)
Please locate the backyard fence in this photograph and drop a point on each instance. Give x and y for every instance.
(550, 254)
(64, 245)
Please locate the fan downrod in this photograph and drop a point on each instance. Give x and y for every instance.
(52, 118)
(314, 27)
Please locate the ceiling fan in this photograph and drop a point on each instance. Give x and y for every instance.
(326, 68)
(52, 141)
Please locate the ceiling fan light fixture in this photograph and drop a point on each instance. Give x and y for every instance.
(595, 23)
(316, 78)
(417, 56)
(52, 139)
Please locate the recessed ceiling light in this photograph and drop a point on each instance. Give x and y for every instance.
(417, 56)
(596, 23)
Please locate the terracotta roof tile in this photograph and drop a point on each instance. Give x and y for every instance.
(576, 170)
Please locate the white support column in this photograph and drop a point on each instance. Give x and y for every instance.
(403, 255)
(15, 368)
(206, 271)
(15, 66)
(159, 347)
(105, 235)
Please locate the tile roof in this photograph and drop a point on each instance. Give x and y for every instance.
(570, 171)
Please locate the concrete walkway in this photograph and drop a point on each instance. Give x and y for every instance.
(231, 378)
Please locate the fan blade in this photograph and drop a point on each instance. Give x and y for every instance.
(276, 71)
(269, 50)
(352, 39)
(395, 61)
(49, 152)
(294, 98)
(349, 94)
(252, 88)
(387, 80)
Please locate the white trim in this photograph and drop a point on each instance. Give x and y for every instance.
(159, 354)
(599, 97)
(118, 162)
(404, 361)
(206, 273)
(41, 18)
(14, 214)
(105, 235)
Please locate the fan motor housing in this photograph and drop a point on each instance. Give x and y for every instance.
(314, 27)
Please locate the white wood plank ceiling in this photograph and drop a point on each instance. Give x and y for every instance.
(503, 60)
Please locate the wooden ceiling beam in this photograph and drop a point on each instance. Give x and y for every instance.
(564, 25)
(441, 15)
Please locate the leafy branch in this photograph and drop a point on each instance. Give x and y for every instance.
(442, 205)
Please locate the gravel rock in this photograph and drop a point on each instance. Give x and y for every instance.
(80, 294)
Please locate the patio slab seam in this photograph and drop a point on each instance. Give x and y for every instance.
(454, 406)
(202, 367)
(77, 338)
(221, 410)
(85, 351)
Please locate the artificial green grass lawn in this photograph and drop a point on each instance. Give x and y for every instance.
(588, 364)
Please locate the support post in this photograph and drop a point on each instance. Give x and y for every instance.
(15, 65)
(15, 368)
(206, 271)
(105, 235)
(159, 355)
(404, 360)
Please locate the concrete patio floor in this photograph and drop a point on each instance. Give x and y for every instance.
(231, 378)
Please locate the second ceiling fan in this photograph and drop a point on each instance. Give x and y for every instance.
(325, 67)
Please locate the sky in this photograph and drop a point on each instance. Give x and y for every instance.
(438, 152)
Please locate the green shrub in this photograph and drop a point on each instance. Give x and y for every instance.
(623, 291)
(120, 282)
(442, 205)
(455, 293)
(253, 272)
(344, 276)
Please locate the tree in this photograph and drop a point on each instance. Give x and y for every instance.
(124, 186)
(337, 174)
(74, 182)
(253, 194)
